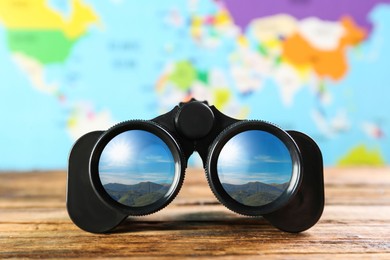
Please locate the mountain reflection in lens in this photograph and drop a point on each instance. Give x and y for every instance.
(254, 167)
(136, 168)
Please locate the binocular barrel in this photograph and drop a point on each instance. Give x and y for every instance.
(137, 167)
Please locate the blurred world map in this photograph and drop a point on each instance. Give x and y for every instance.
(69, 67)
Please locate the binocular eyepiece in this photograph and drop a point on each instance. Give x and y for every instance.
(137, 167)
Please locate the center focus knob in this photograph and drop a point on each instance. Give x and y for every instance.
(194, 120)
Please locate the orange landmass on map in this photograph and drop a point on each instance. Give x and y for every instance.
(300, 53)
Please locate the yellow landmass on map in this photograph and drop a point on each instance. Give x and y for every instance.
(37, 15)
(362, 155)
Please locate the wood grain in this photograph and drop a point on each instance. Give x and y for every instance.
(355, 224)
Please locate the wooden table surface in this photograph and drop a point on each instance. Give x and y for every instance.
(355, 223)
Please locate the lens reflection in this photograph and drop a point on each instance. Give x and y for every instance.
(254, 167)
(136, 168)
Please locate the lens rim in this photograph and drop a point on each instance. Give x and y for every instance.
(221, 193)
(166, 137)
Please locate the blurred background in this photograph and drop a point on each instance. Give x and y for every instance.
(70, 67)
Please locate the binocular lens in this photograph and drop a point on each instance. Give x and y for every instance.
(136, 168)
(254, 167)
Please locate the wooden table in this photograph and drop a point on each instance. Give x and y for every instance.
(355, 224)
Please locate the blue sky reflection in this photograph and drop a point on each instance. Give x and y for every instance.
(136, 156)
(254, 156)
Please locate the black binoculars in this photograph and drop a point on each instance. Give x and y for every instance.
(137, 167)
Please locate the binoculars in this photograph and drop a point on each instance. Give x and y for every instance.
(137, 167)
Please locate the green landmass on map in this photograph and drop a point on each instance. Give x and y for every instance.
(183, 75)
(203, 76)
(46, 46)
